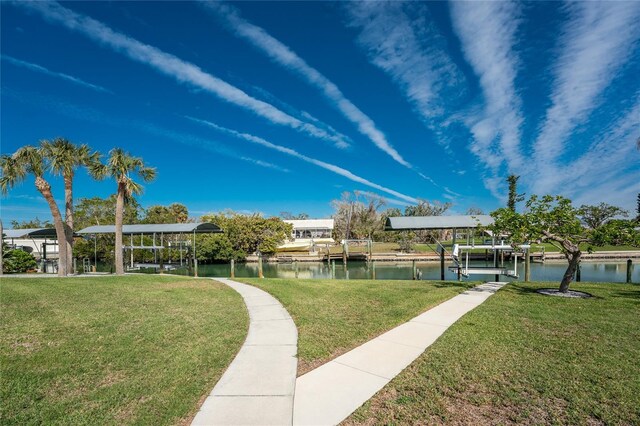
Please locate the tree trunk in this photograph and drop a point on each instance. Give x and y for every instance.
(119, 216)
(574, 259)
(45, 189)
(68, 201)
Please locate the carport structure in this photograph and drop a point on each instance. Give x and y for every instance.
(163, 236)
(468, 223)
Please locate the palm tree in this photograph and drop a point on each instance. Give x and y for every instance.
(120, 166)
(63, 157)
(15, 168)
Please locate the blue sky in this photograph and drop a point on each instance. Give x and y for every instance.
(282, 106)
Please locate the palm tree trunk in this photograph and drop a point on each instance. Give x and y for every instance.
(119, 217)
(45, 189)
(1, 248)
(574, 259)
(68, 200)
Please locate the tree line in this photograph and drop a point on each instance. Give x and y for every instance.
(357, 215)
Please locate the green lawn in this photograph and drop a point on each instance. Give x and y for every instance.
(550, 248)
(524, 358)
(334, 316)
(114, 350)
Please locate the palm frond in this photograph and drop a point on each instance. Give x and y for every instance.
(32, 159)
(13, 172)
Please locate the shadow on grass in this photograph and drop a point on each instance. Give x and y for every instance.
(447, 284)
(525, 290)
(628, 294)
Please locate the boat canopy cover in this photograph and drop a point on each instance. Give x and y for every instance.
(30, 233)
(157, 228)
(436, 222)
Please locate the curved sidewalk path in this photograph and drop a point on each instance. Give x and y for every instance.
(331, 392)
(258, 386)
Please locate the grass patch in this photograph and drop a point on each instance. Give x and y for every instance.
(334, 316)
(524, 358)
(114, 350)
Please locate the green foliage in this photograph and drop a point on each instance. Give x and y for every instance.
(514, 197)
(121, 166)
(29, 224)
(555, 219)
(384, 236)
(546, 218)
(18, 261)
(616, 232)
(174, 213)
(596, 216)
(243, 235)
(216, 247)
(102, 211)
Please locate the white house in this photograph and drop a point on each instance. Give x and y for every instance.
(307, 233)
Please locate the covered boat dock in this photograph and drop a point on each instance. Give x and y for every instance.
(180, 236)
(469, 223)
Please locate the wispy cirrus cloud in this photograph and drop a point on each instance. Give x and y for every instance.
(400, 40)
(43, 70)
(607, 163)
(288, 151)
(89, 114)
(487, 31)
(597, 41)
(168, 64)
(387, 200)
(283, 55)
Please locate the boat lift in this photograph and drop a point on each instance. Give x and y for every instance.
(463, 268)
(460, 252)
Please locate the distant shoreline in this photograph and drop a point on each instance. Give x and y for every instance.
(410, 257)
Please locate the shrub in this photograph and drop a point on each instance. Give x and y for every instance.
(16, 261)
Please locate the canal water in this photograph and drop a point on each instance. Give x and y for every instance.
(548, 271)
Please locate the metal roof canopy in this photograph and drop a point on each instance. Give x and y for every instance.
(436, 222)
(34, 233)
(164, 228)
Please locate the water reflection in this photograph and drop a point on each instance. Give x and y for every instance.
(549, 271)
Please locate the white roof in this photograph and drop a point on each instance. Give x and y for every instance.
(311, 223)
(30, 233)
(437, 222)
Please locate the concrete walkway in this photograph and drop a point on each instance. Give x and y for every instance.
(331, 392)
(258, 386)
